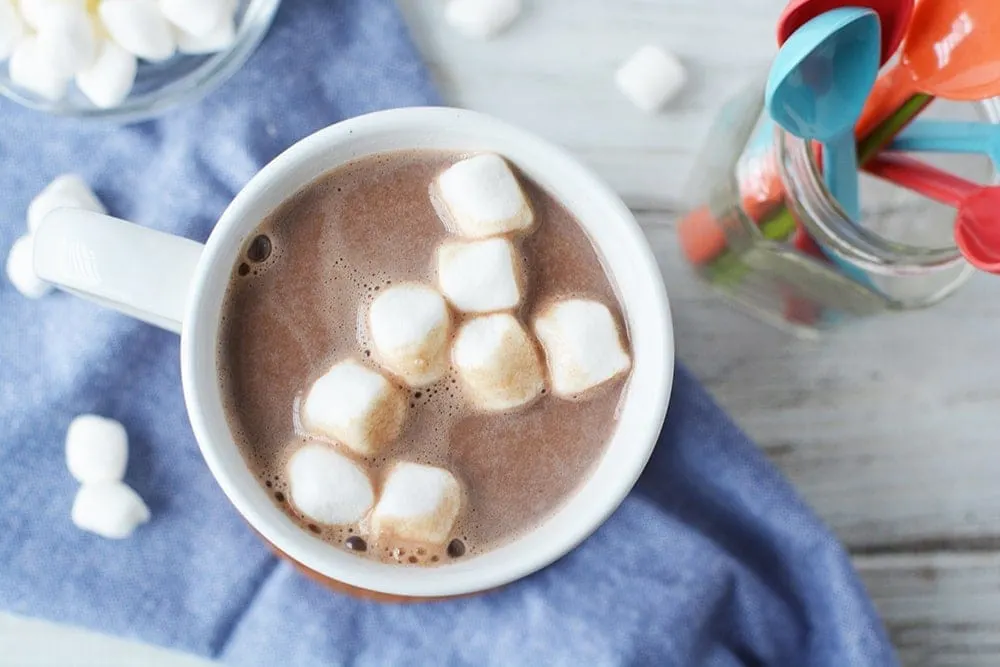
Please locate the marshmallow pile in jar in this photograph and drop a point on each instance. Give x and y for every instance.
(469, 322)
(91, 56)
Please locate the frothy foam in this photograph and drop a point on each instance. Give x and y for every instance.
(295, 310)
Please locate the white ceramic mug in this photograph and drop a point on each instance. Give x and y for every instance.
(179, 284)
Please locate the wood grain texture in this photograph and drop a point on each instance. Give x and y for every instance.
(941, 609)
(553, 73)
(888, 428)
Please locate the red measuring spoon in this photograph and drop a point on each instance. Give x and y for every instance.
(894, 15)
(977, 227)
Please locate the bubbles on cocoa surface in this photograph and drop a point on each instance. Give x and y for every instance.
(456, 548)
(444, 395)
(259, 249)
(356, 544)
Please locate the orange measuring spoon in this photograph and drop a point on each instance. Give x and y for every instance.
(951, 51)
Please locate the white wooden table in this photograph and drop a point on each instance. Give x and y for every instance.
(889, 429)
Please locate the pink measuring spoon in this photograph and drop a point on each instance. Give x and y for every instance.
(977, 226)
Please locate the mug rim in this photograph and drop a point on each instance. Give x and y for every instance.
(641, 412)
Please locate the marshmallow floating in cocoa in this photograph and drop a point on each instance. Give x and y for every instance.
(355, 406)
(410, 326)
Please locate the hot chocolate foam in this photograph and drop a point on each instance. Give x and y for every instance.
(294, 311)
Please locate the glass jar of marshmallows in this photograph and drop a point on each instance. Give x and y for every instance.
(124, 60)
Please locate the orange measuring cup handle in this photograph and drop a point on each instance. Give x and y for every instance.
(892, 90)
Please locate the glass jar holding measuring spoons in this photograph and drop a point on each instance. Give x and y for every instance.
(767, 225)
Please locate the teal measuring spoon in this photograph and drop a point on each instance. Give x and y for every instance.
(938, 136)
(816, 89)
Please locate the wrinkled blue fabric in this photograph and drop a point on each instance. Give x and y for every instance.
(712, 560)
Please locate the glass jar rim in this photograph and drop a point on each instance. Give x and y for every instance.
(822, 215)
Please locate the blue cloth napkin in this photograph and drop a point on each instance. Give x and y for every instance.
(713, 560)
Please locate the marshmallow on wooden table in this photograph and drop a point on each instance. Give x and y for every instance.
(66, 191)
(67, 38)
(96, 449)
(21, 269)
(139, 27)
(480, 197)
(109, 509)
(419, 503)
(196, 17)
(327, 486)
(356, 406)
(480, 276)
(409, 325)
(12, 28)
(583, 347)
(481, 18)
(650, 78)
(109, 80)
(31, 70)
(497, 362)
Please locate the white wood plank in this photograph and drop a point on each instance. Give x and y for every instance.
(31, 643)
(888, 428)
(553, 72)
(941, 610)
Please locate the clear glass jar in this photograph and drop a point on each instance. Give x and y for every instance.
(161, 86)
(764, 228)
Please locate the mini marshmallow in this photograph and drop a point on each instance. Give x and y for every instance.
(139, 28)
(582, 345)
(109, 509)
(419, 503)
(356, 406)
(409, 326)
(32, 10)
(481, 18)
(66, 191)
(220, 38)
(12, 28)
(196, 17)
(21, 269)
(109, 80)
(650, 78)
(481, 197)
(497, 362)
(480, 276)
(67, 39)
(31, 70)
(327, 486)
(96, 449)
(35, 11)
